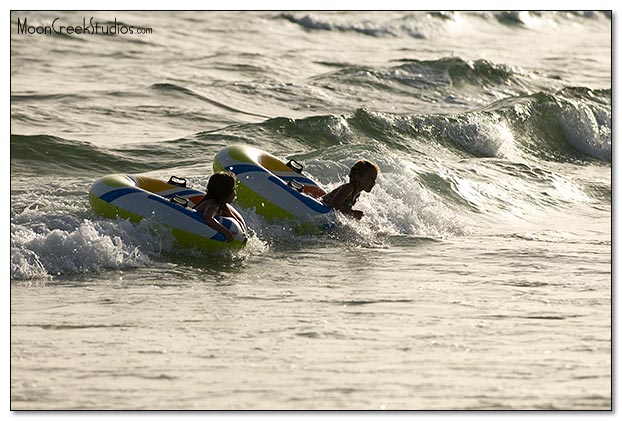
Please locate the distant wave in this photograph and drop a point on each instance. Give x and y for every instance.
(429, 24)
(572, 125)
(175, 89)
(16, 98)
(46, 154)
(363, 27)
(450, 72)
(527, 18)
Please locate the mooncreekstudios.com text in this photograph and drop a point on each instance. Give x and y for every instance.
(90, 28)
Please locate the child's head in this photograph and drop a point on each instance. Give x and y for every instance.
(364, 172)
(221, 187)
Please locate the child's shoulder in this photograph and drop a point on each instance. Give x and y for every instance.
(348, 187)
(205, 203)
(343, 189)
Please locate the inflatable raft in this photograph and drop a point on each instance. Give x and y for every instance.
(274, 189)
(169, 203)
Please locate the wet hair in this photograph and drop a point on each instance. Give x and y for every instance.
(361, 167)
(220, 186)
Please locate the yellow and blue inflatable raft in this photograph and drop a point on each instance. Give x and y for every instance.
(168, 203)
(274, 189)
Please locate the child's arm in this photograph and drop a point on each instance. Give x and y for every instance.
(233, 213)
(208, 215)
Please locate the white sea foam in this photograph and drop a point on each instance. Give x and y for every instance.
(92, 246)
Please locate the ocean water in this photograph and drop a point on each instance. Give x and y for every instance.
(479, 278)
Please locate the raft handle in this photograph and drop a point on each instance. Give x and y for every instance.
(180, 200)
(295, 185)
(295, 166)
(177, 181)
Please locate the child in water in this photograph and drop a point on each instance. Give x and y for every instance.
(362, 177)
(220, 192)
